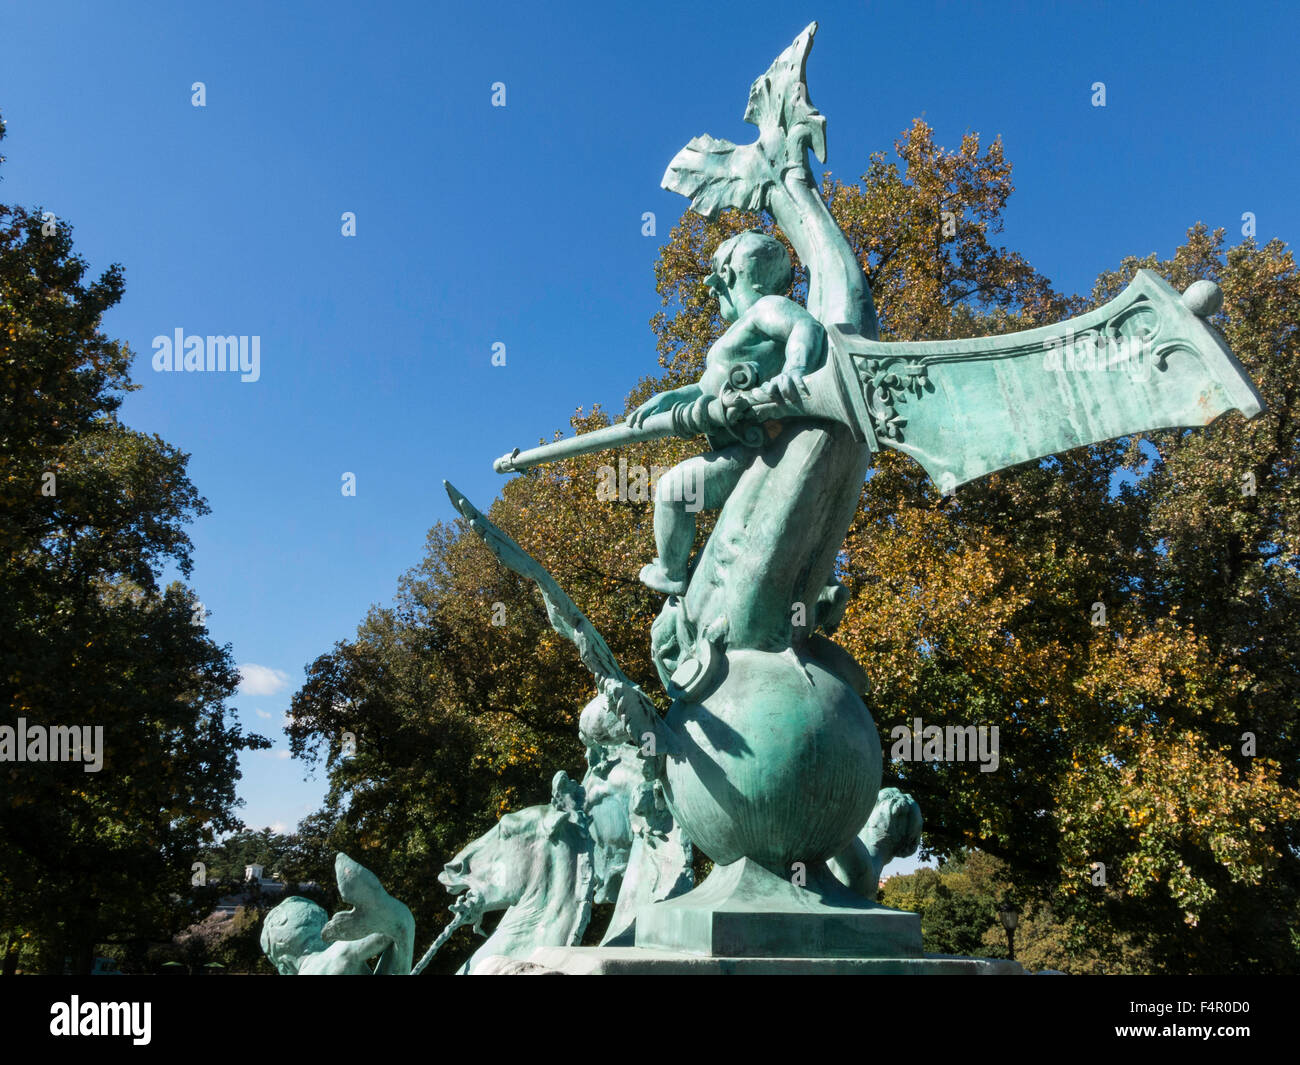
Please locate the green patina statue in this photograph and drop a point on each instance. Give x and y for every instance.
(609, 840)
(768, 759)
(892, 831)
(536, 864)
(773, 342)
(301, 939)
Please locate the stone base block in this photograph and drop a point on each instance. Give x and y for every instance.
(744, 910)
(633, 961)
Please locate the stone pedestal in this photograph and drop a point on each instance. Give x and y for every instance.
(633, 961)
(744, 910)
(748, 920)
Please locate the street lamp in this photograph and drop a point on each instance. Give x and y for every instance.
(1010, 918)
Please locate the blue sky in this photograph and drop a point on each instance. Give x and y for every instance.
(522, 225)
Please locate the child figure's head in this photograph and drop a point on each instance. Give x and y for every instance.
(291, 931)
(747, 267)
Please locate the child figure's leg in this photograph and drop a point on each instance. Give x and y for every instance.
(700, 483)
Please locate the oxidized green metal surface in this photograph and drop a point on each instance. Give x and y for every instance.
(768, 758)
(964, 408)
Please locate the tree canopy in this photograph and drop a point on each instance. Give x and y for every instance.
(90, 513)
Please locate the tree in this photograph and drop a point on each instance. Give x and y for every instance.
(1193, 796)
(1122, 740)
(959, 903)
(957, 906)
(227, 860)
(90, 511)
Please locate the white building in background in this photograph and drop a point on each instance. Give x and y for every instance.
(254, 882)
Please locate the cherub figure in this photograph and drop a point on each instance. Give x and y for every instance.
(291, 940)
(301, 939)
(779, 340)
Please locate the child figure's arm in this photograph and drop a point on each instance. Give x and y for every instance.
(773, 318)
(786, 322)
(664, 401)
